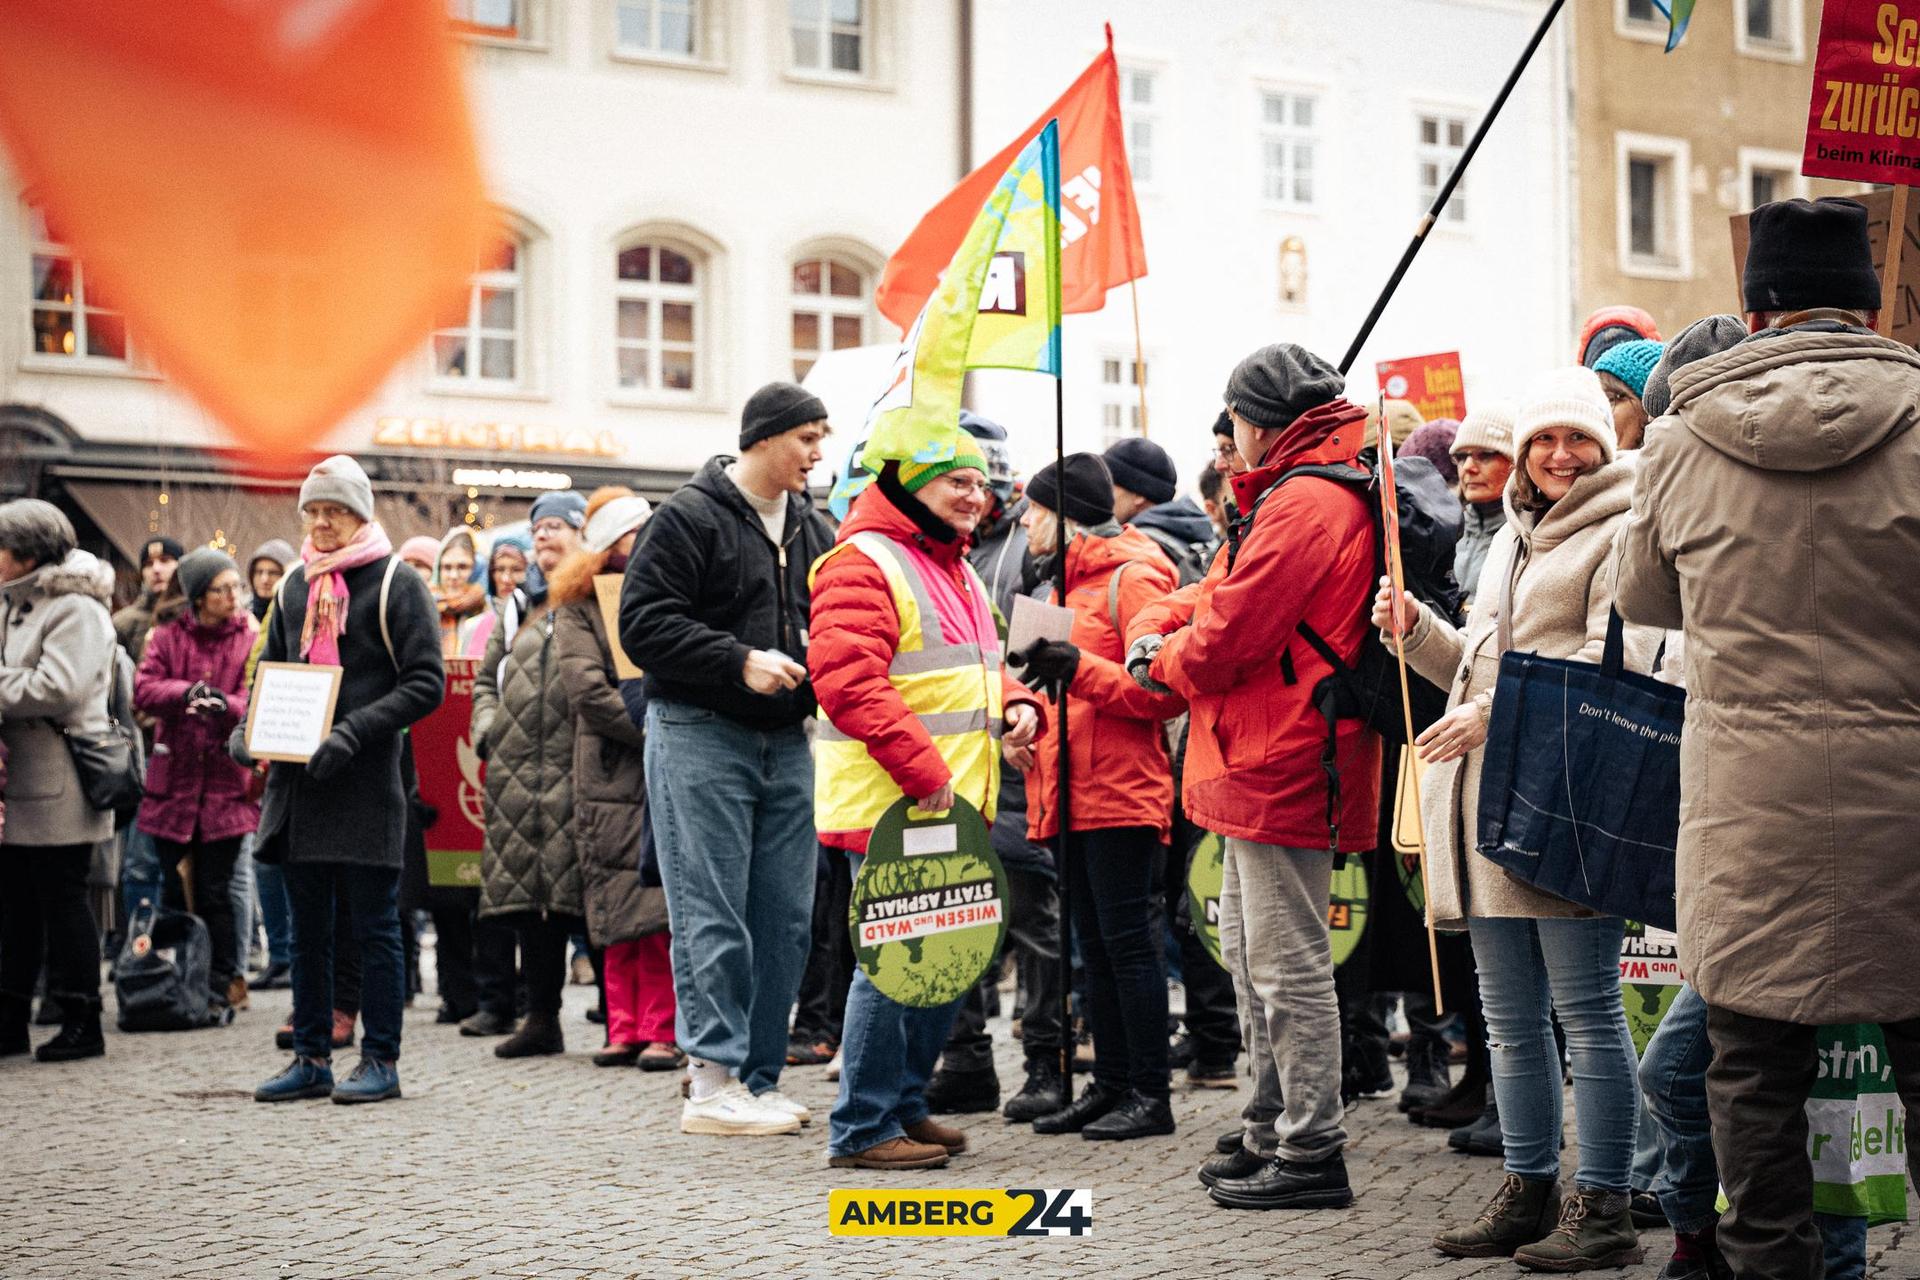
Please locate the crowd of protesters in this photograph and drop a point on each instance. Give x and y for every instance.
(1739, 496)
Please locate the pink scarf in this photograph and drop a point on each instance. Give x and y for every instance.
(326, 619)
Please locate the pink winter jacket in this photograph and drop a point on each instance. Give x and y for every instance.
(193, 787)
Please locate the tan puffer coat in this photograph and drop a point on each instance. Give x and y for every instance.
(1560, 565)
(1777, 519)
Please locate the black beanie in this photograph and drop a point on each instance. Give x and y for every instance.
(1276, 384)
(1089, 496)
(778, 407)
(1809, 253)
(156, 547)
(1143, 467)
(1223, 425)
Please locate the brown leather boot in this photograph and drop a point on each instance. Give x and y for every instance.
(1522, 1211)
(1595, 1231)
(931, 1131)
(894, 1153)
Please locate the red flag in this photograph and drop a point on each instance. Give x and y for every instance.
(1099, 221)
(279, 196)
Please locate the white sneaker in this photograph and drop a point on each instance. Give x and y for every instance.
(833, 1067)
(733, 1112)
(781, 1102)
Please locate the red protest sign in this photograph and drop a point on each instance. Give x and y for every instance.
(1432, 383)
(1863, 123)
(451, 780)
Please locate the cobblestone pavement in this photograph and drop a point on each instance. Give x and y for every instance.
(155, 1162)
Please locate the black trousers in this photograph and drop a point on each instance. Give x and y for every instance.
(212, 899)
(544, 941)
(829, 971)
(1757, 1088)
(1033, 939)
(1116, 919)
(45, 913)
(453, 961)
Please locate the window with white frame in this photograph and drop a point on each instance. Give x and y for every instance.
(1639, 20)
(829, 310)
(1139, 108)
(488, 17)
(1769, 28)
(1288, 148)
(488, 348)
(1653, 206)
(69, 319)
(657, 305)
(1766, 176)
(660, 28)
(1121, 382)
(831, 37)
(1439, 140)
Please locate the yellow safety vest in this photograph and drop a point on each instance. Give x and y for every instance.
(952, 689)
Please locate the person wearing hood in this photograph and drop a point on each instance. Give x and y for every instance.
(894, 594)
(192, 681)
(967, 1081)
(1547, 588)
(523, 728)
(626, 907)
(1122, 781)
(1483, 458)
(508, 560)
(1303, 558)
(1773, 525)
(459, 565)
(265, 567)
(337, 823)
(158, 556)
(714, 610)
(56, 669)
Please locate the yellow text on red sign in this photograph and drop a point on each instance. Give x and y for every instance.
(958, 1211)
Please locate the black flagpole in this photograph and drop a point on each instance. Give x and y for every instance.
(1062, 853)
(1432, 215)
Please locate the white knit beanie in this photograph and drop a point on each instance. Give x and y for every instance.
(1487, 426)
(1567, 397)
(339, 479)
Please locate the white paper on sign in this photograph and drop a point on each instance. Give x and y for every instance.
(292, 709)
(1033, 620)
(922, 840)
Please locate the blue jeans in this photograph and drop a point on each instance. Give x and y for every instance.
(373, 903)
(732, 811)
(275, 914)
(141, 875)
(888, 1051)
(1673, 1078)
(1573, 968)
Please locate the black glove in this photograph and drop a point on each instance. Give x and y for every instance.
(334, 754)
(1048, 662)
(211, 699)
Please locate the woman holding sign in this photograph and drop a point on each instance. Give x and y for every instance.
(338, 821)
(906, 664)
(1547, 588)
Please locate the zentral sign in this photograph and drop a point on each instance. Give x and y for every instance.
(493, 437)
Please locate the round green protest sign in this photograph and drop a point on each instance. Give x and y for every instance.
(929, 911)
(1347, 909)
(1204, 876)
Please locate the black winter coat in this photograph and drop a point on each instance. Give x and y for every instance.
(359, 817)
(705, 585)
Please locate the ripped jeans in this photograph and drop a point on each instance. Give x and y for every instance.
(1572, 967)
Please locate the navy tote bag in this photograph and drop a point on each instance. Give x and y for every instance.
(1580, 785)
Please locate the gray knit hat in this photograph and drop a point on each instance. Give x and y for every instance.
(199, 567)
(1278, 383)
(1702, 338)
(339, 479)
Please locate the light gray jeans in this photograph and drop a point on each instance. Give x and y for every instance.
(1273, 936)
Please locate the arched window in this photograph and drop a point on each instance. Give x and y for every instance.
(488, 347)
(830, 305)
(658, 301)
(70, 320)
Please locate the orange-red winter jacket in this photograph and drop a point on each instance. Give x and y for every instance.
(1121, 775)
(1253, 766)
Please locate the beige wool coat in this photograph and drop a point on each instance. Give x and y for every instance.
(1560, 565)
(1777, 520)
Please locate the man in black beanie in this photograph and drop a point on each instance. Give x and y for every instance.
(1144, 483)
(714, 608)
(1773, 523)
(158, 557)
(1287, 791)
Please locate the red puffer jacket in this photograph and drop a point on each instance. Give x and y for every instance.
(1121, 775)
(853, 636)
(1253, 752)
(193, 785)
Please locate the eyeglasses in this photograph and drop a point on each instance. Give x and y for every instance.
(1227, 451)
(1461, 457)
(963, 485)
(231, 589)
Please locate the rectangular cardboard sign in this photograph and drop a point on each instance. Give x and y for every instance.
(606, 588)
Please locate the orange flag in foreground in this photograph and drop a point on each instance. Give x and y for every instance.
(279, 196)
(1099, 221)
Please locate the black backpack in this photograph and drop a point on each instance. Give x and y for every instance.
(160, 980)
(1191, 560)
(1369, 690)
